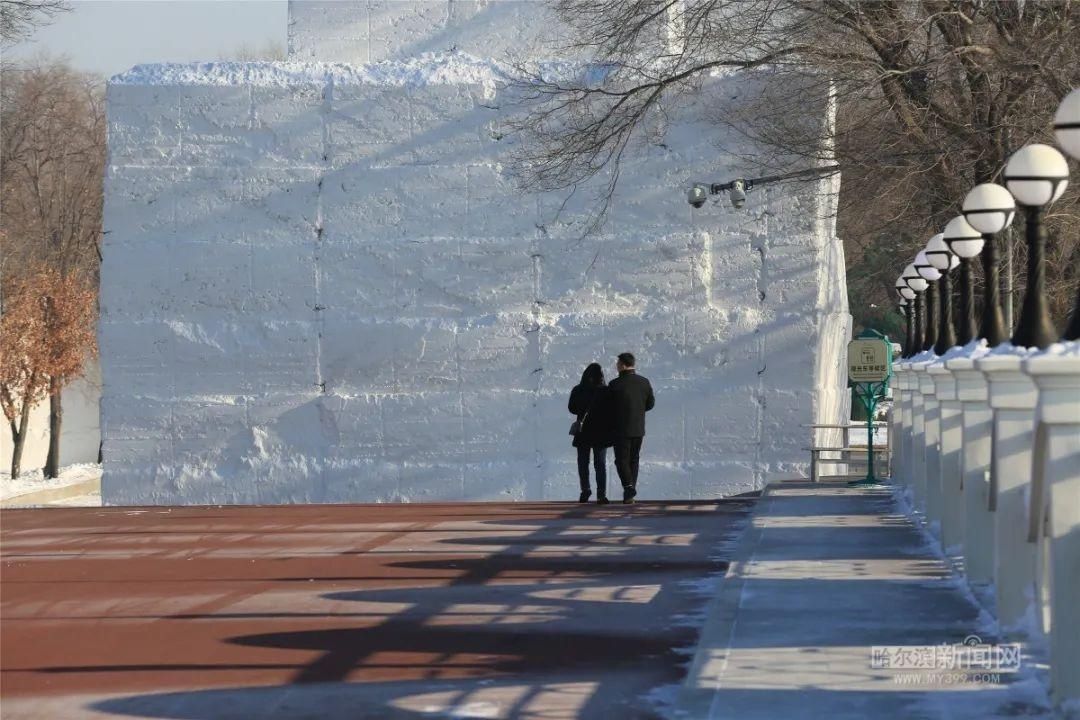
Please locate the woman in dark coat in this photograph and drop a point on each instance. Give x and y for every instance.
(588, 401)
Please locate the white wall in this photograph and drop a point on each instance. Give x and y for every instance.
(80, 431)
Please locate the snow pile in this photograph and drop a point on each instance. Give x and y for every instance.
(454, 68)
(35, 481)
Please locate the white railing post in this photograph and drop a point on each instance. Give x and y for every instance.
(916, 445)
(901, 417)
(1057, 495)
(931, 449)
(1012, 395)
(978, 421)
(950, 433)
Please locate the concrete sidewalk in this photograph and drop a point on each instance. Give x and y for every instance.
(826, 573)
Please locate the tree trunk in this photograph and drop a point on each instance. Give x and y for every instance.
(56, 418)
(18, 440)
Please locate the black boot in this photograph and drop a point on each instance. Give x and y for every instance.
(602, 500)
(585, 495)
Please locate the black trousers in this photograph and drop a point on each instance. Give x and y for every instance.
(599, 464)
(627, 457)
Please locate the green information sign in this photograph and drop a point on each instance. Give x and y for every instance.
(869, 369)
(869, 360)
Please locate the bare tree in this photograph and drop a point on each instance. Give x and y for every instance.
(52, 159)
(933, 97)
(19, 18)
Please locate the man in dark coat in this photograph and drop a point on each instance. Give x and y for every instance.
(630, 396)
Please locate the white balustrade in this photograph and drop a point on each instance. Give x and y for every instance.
(950, 432)
(976, 438)
(1012, 395)
(1055, 507)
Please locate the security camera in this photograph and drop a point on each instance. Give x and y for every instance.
(738, 193)
(698, 195)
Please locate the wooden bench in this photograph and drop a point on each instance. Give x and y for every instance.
(815, 455)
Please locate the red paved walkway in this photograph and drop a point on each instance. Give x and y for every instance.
(364, 611)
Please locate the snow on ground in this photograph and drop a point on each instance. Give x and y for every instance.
(35, 481)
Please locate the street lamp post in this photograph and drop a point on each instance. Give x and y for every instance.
(1036, 175)
(965, 242)
(931, 274)
(1067, 132)
(939, 255)
(917, 285)
(990, 208)
(907, 297)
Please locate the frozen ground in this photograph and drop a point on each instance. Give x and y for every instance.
(35, 481)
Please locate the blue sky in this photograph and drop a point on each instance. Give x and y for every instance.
(109, 36)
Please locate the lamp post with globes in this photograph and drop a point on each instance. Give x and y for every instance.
(990, 208)
(942, 259)
(1036, 175)
(1067, 133)
(907, 296)
(917, 285)
(965, 242)
(930, 274)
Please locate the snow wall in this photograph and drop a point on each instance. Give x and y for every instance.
(320, 284)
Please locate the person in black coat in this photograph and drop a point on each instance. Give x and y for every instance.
(630, 396)
(588, 402)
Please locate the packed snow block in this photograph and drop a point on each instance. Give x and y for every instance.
(495, 351)
(710, 481)
(290, 124)
(360, 31)
(142, 482)
(432, 482)
(655, 270)
(220, 357)
(136, 347)
(427, 357)
(394, 203)
(496, 206)
(344, 248)
(215, 123)
(424, 427)
(319, 27)
(211, 281)
(498, 423)
(358, 355)
(499, 481)
(358, 422)
(491, 273)
(209, 205)
(147, 293)
(366, 129)
(211, 418)
(570, 343)
(141, 207)
(283, 280)
(448, 124)
(657, 480)
(364, 278)
(346, 477)
(279, 205)
(722, 424)
(143, 124)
